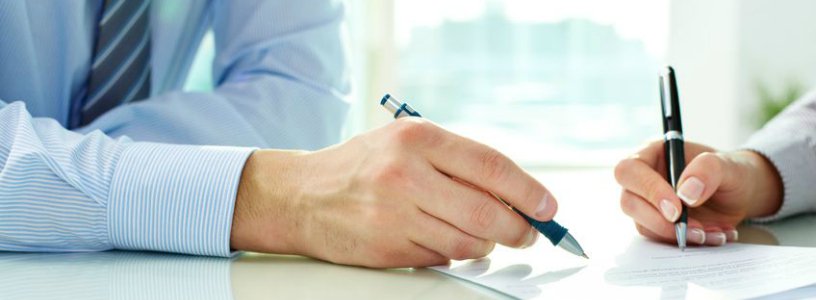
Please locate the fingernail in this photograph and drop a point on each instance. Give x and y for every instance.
(732, 235)
(668, 210)
(715, 238)
(532, 236)
(696, 236)
(541, 210)
(691, 190)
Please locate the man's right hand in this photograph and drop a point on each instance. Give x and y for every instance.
(404, 195)
(721, 189)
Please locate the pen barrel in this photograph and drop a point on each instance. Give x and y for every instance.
(674, 152)
(398, 108)
(551, 230)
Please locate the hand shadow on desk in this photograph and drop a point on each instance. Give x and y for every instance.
(518, 273)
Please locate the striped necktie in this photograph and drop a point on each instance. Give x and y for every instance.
(120, 71)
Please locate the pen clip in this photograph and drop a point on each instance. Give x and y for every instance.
(665, 91)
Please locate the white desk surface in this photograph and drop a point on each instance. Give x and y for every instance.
(584, 196)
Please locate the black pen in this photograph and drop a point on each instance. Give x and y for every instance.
(557, 234)
(673, 149)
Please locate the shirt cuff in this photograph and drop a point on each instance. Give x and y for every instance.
(175, 198)
(793, 158)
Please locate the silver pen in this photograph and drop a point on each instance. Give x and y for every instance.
(557, 234)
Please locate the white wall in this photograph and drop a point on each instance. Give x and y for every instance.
(721, 49)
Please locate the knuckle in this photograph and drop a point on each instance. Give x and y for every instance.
(521, 237)
(628, 205)
(657, 187)
(410, 131)
(389, 172)
(494, 165)
(711, 162)
(483, 216)
(623, 167)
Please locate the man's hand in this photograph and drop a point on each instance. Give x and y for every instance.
(408, 194)
(720, 189)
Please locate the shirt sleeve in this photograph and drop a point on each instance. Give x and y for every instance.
(64, 191)
(281, 81)
(789, 143)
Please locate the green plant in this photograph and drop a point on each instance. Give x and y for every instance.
(771, 104)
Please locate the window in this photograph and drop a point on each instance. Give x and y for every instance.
(550, 83)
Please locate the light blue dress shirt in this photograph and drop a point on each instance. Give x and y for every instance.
(159, 174)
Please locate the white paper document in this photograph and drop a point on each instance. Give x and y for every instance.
(644, 269)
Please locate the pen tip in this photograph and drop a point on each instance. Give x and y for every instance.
(585, 256)
(385, 98)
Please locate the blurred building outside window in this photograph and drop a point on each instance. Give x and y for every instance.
(552, 84)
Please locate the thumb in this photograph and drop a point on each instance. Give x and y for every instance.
(706, 173)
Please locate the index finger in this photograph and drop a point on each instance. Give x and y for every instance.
(639, 178)
(492, 171)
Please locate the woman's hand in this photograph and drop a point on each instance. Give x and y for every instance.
(721, 190)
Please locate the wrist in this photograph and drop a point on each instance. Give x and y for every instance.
(766, 185)
(267, 212)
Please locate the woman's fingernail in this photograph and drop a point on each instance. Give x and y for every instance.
(732, 235)
(668, 210)
(715, 238)
(691, 190)
(696, 236)
(532, 236)
(541, 210)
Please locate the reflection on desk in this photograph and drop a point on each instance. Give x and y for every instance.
(796, 231)
(113, 275)
(145, 275)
